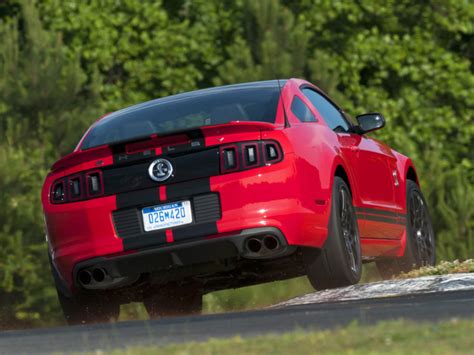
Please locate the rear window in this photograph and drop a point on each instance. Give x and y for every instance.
(186, 111)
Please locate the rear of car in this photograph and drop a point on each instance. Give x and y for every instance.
(194, 189)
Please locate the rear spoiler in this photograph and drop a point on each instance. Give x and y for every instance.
(79, 156)
(248, 125)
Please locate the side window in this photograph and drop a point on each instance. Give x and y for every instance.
(301, 111)
(327, 110)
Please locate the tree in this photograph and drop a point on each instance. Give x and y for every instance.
(140, 52)
(45, 106)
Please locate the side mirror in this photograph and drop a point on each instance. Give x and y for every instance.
(369, 122)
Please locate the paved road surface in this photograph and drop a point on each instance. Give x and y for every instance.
(419, 307)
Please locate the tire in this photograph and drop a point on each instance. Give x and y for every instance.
(173, 301)
(420, 243)
(88, 309)
(85, 308)
(338, 263)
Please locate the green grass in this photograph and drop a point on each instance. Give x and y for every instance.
(443, 268)
(394, 337)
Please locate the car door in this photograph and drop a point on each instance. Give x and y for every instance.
(370, 163)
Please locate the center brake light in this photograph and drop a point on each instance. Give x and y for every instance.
(248, 155)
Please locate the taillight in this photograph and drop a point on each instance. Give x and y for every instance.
(77, 187)
(58, 193)
(248, 155)
(76, 190)
(251, 154)
(229, 158)
(273, 152)
(94, 184)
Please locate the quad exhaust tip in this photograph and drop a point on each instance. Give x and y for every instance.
(270, 242)
(263, 245)
(254, 245)
(85, 277)
(97, 275)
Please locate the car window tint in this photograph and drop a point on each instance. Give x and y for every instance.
(301, 111)
(186, 111)
(327, 110)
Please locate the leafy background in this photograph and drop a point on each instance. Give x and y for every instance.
(65, 63)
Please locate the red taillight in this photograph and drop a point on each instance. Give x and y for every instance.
(251, 153)
(58, 192)
(77, 187)
(229, 158)
(248, 155)
(273, 153)
(95, 185)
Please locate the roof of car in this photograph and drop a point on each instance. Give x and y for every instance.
(197, 93)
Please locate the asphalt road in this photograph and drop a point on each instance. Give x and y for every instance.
(419, 307)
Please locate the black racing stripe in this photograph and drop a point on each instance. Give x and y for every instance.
(380, 219)
(127, 223)
(121, 157)
(379, 212)
(181, 148)
(195, 231)
(197, 142)
(189, 188)
(398, 218)
(207, 208)
(138, 198)
(148, 240)
(197, 165)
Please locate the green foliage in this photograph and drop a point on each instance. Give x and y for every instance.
(45, 106)
(271, 44)
(65, 63)
(443, 268)
(140, 52)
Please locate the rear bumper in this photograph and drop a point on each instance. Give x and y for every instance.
(287, 196)
(123, 270)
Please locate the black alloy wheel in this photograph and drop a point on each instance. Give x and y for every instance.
(420, 248)
(421, 231)
(349, 230)
(339, 262)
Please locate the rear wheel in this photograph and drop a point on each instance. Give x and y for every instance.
(87, 309)
(338, 263)
(420, 239)
(173, 301)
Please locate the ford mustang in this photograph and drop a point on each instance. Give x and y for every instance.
(168, 200)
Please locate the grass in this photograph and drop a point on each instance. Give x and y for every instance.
(443, 268)
(254, 297)
(393, 337)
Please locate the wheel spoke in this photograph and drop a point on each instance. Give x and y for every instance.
(349, 230)
(420, 229)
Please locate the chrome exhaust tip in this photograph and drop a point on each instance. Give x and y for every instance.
(85, 277)
(254, 245)
(98, 274)
(270, 242)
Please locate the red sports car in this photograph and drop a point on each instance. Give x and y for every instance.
(237, 185)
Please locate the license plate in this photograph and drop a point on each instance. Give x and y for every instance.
(167, 216)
